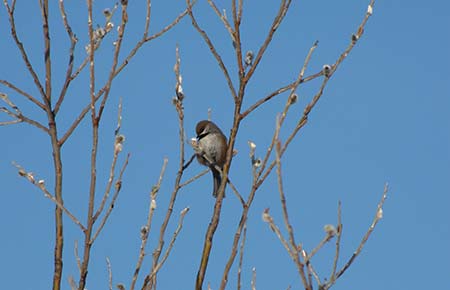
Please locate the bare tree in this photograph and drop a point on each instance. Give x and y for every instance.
(49, 102)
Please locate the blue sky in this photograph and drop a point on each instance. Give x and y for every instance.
(383, 118)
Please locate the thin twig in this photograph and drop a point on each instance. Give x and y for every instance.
(77, 257)
(18, 115)
(192, 179)
(300, 124)
(310, 269)
(236, 192)
(73, 284)
(312, 272)
(23, 93)
(6, 123)
(47, 50)
(146, 38)
(253, 282)
(224, 19)
(21, 118)
(212, 49)
(148, 14)
(41, 185)
(118, 186)
(338, 243)
(378, 216)
(172, 242)
(355, 37)
(319, 246)
(189, 162)
(94, 150)
(119, 139)
(241, 257)
(240, 6)
(19, 44)
(145, 230)
(284, 7)
(269, 220)
(278, 92)
(238, 46)
(108, 185)
(294, 247)
(73, 42)
(110, 278)
(288, 104)
(117, 47)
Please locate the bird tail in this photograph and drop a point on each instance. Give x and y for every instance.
(217, 179)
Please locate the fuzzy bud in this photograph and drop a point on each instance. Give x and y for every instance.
(249, 58)
(266, 216)
(107, 12)
(99, 32)
(109, 26)
(370, 10)
(380, 213)
(30, 177)
(144, 232)
(120, 139)
(184, 211)
(22, 172)
(326, 70)
(293, 99)
(252, 145)
(330, 230)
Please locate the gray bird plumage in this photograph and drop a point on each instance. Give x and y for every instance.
(213, 148)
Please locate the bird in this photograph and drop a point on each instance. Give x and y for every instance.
(212, 145)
